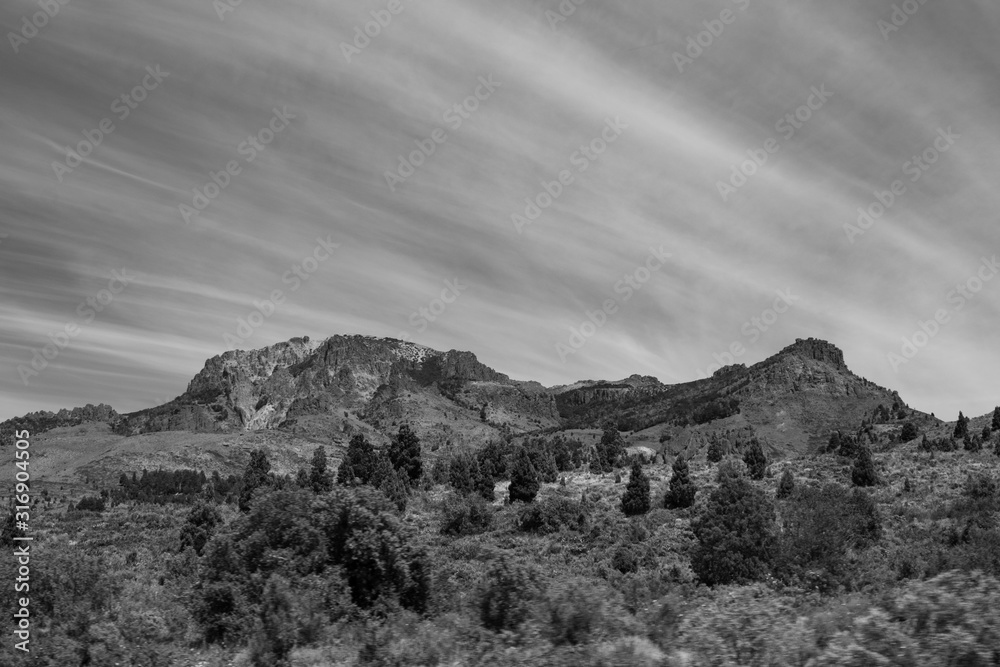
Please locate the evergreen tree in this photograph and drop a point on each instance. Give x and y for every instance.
(786, 485)
(961, 427)
(682, 489)
(635, 500)
(736, 535)
(996, 419)
(715, 450)
(395, 488)
(611, 449)
(863, 473)
(484, 483)
(462, 472)
(274, 637)
(523, 478)
(320, 479)
(755, 460)
(254, 476)
(359, 462)
(909, 432)
(404, 453)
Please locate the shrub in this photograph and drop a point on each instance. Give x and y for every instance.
(731, 467)
(552, 515)
(625, 559)
(199, 526)
(575, 612)
(506, 596)
(274, 635)
(755, 459)
(91, 504)
(786, 485)
(735, 534)
(682, 489)
(523, 478)
(909, 432)
(466, 515)
(635, 500)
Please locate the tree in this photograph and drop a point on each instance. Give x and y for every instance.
(635, 500)
(199, 526)
(395, 488)
(610, 450)
(359, 462)
(715, 450)
(961, 426)
(523, 478)
(462, 472)
(254, 477)
(755, 459)
(909, 432)
(404, 453)
(736, 536)
(319, 477)
(996, 419)
(484, 483)
(786, 485)
(274, 637)
(863, 473)
(682, 489)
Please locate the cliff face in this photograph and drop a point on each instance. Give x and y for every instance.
(377, 380)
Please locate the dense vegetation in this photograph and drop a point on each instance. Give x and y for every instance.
(530, 553)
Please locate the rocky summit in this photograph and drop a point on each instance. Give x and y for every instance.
(329, 389)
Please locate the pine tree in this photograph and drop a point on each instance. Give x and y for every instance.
(484, 483)
(460, 472)
(320, 479)
(996, 419)
(635, 500)
(961, 427)
(736, 535)
(395, 488)
(255, 476)
(755, 460)
(863, 473)
(523, 478)
(359, 462)
(404, 453)
(786, 485)
(611, 449)
(909, 432)
(682, 488)
(715, 450)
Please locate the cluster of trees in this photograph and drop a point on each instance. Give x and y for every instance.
(169, 486)
(394, 471)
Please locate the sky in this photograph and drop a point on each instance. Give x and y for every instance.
(574, 190)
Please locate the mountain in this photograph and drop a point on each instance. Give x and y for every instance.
(329, 390)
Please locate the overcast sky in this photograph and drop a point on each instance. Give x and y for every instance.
(663, 120)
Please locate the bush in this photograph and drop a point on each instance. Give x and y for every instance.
(466, 515)
(504, 603)
(910, 432)
(91, 504)
(682, 489)
(552, 515)
(575, 612)
(731, 467)
(786, 485)
(635, 500)
(524, 483)
(735, 534)
(274, 635)
(625, 559)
